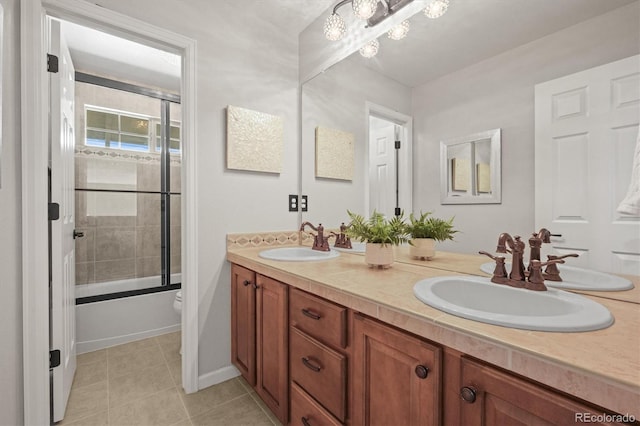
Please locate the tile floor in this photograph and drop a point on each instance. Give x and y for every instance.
(139, 383)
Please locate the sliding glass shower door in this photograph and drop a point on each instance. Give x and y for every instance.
(128, 163)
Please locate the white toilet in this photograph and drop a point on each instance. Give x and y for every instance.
(177, 303)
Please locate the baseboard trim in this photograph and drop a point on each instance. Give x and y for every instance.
(218, 376)
(94, 345)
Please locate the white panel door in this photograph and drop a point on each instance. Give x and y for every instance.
(382, 170)
(63, 325)
(586, 126)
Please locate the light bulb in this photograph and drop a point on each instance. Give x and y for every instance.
(334, 27)
(364, 9)
(399, 31)
(370, 49)
(436, 8)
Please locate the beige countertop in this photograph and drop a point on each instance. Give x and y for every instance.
(602, 366)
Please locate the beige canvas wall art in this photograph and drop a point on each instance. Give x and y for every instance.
(335, 152)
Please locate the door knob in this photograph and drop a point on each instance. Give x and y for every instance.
(77, 234)
(468, 394)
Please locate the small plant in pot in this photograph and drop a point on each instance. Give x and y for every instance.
(380, 235)
(425, 231)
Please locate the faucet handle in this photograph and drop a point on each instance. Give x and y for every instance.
(536, 280)
(552, 273)
(500, 271)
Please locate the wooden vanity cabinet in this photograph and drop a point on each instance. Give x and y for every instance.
(243, 322)
(396, 377)
(318, 360)
(492, 397)
(260, 338)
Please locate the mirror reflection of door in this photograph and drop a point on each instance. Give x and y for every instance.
(383, 181)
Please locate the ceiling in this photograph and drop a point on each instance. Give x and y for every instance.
(471, 30)
(99, 53)
(474, 30)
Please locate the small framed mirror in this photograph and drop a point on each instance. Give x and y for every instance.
(470, 169)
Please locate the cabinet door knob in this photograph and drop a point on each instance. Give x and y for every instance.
(310, 365)
(468, 394)
(305, 422)
(246, 283)
(308, 313)
(422, 371)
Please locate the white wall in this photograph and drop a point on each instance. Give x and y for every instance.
(499, 92)
(244, 61)
(337, 99)
(11, 400)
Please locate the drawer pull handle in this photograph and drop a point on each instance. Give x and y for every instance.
(468, 394)
(310, 365)
(305, 422)
(310, 314)
(422, 371)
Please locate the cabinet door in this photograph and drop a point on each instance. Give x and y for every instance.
(396, 377)
(272, 344)
(492, 397)
(243, 322)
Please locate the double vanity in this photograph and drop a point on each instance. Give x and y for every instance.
(329, 341)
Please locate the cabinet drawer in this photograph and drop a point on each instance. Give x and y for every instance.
(319, 318)
(305, 411)
(319, 370)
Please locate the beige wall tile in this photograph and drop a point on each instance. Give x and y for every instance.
(148, 266)
(148, 241)
(148, 210)
(148, 176)
(111, 270)
(85, 273)
(85, 246)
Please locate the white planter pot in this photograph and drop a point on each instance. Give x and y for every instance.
(423, 248)
(379, 255)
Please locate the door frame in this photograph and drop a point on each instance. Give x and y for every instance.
(405, 160)
(34, 150)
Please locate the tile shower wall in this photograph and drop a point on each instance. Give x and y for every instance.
(121, 230)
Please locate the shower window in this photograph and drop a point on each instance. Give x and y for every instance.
(127, 192)
(110, 129)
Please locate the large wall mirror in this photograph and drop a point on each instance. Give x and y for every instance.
(470, 169)
(449, 80)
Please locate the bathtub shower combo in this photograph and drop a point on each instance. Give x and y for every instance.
(128, 202)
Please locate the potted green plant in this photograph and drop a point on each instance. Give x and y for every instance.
(425, 231)
(379, 234)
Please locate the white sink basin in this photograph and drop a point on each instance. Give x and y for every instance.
(479, 299)
(574, 278)
(297, 254)
(356, 247)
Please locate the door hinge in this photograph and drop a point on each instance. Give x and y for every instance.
(54, 211)
(397, 144)
(398, 211)
(52, 63)
(54, 358)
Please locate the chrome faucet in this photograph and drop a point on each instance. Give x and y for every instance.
(342, 240)
(320, 242)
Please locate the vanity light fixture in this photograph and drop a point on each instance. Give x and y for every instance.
(370, 49)
(371, 11)
(374, 12)
(400, 31)
(436, 8)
